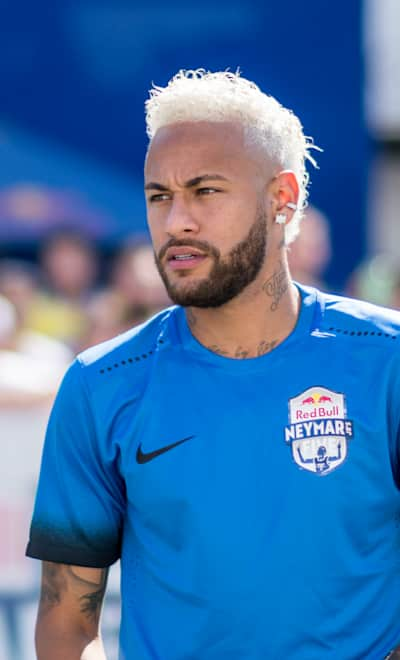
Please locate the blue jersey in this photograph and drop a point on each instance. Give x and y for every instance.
(254, 503)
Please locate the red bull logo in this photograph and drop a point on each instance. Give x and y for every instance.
(318, 403)
(316, 398)
(316, 406)
(318, 431)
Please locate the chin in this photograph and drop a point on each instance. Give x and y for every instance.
(181, 292)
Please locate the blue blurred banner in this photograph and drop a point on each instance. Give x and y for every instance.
(44, 187)
(79, 72)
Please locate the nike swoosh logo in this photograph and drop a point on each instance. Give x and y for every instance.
(141, 457)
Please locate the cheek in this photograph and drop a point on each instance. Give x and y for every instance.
(232, 222)
(155, 227)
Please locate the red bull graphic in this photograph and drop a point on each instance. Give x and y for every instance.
(317, 398)
(318, 430)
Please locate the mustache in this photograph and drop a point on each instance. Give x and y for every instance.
(204, 246)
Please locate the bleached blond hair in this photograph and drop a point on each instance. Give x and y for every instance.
(199, 95)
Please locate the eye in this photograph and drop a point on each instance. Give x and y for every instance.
(207, 191)
(159, 197)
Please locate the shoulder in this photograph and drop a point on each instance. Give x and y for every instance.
(107, 384)
(140, 339)
(137, 346)
(355, 324)
(352, 317)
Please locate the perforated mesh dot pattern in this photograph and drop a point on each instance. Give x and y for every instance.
(128, 361)
(366, 333)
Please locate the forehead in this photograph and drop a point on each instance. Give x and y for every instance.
(190, 148)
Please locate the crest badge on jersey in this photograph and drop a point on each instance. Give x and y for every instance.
(318, 431)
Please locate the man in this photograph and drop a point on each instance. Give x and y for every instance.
(238, 452)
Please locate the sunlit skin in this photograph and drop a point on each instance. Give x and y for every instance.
(204, 184)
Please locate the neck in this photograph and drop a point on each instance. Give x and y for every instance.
(255, 322)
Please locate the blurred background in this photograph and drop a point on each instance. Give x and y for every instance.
(76, 266)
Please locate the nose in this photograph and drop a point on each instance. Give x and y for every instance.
(180, 220)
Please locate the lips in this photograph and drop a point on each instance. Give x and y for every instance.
(183, 252)
(184, 257)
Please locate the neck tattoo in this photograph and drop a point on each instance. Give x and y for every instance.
(275, 286)
(190, 317)
(241, 353)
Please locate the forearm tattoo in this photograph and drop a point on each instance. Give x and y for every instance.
(275, 286)
(60, 581)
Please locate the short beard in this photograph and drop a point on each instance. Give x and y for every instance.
(228, 276)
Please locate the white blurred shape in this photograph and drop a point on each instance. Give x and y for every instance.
(382, 55)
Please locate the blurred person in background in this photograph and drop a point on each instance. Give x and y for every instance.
(31, 368)
(376, 280)
(25, 379)
(31, 364)
(395, 299)
(309, 255)
(105, 318)
(240, 451)
(137, 282)
(69, 267)
(134, 293)
(19, 283)
(23, 298)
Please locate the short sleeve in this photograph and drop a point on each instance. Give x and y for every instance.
(393, 412)
(80, 499)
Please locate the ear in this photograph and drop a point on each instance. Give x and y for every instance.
(283, 189)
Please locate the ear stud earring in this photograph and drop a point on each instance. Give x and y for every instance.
(281, 218)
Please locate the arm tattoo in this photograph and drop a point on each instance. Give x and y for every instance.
(60, 581)
(54, 584)
(275, 286)
(92, 599)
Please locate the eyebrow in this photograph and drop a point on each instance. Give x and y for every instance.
(191, 183)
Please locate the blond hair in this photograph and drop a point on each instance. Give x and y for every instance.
(223, 96)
